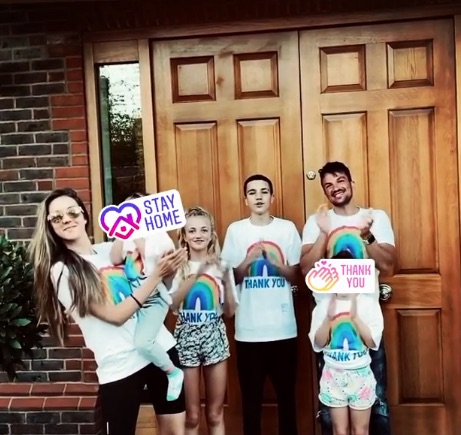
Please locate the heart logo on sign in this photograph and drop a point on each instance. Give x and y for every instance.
(120, 221)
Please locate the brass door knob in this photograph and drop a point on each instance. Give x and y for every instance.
(385, 292)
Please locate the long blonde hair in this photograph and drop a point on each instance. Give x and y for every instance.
(213, 249)
(45, 250)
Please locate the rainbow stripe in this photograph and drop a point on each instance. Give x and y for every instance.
(115, 284)
(346, 238)
(263, 267)
(133, 268)
(204, 295)
(344, 335)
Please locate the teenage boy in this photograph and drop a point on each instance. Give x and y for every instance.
(365, 233)
(264, 252)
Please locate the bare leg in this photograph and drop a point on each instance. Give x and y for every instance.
(215, 385)
(340, 420)
(172, 424)
(360, 421)
(193, 411)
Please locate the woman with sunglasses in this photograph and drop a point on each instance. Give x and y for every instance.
(75, 278)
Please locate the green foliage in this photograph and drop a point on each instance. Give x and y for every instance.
(19, 328)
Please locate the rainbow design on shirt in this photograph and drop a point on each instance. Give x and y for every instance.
(344, 334)
(204, 295)
(263, 267)
(346, 238)
(133, 268)
(115, 283)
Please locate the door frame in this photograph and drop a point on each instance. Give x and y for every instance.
(110, 47)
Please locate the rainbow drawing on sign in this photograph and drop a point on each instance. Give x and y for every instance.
(262, 266)
(204, 295)
(346, 238)
(344, 335)
(115, 283)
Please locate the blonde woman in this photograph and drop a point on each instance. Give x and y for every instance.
(202, 292)
(74, 277)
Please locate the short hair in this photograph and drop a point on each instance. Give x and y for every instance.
(257, 177)
(334, 168)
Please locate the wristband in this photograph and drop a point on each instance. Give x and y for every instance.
(139, 303)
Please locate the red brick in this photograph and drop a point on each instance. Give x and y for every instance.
(61, 402)
(63, 50)
(45, 185)
(75, 340)
(88, 402)
(79, 148)
(78, 136)
(68, 112)
(75, 87)
(82, 389)
(27, 403)
(75, 172)
(8, 175)
(55, 76)
(89, 365)
(90, 377)
(73, 328)
(15, 389)
(73, 364)
(5, 403)
(87, 353)
(79, 160)
(85, 196)
(74, 183)
(74, 62)
(69, 124)
(67, 100)
(54, 389)
(74, 75)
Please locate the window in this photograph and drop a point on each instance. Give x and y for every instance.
(122, 156)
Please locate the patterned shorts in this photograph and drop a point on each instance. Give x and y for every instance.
(353, 388)
(202, 344)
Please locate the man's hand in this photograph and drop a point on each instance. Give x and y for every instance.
(323, 220)
(366, 223)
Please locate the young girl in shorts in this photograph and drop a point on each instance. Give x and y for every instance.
(202, 291)
(139, 258)
(345, 327)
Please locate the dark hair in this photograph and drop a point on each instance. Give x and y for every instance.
(257, 177)
(45, 250)
(345, 254)
(334, 168)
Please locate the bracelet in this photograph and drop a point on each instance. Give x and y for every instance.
(139, 303)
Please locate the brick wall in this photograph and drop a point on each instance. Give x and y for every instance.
(43, 145)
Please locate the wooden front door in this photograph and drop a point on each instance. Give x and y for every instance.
(382, 99)
(226, 108)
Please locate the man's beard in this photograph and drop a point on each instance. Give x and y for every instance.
(347, 198)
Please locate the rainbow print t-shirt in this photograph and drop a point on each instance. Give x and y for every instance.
(346, 238)
(203, 303)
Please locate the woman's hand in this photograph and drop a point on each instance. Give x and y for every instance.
(170, 262)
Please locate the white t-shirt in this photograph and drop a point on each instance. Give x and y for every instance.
(204, 301)
(113, 346)
(266, 311)
(344, 234)
(346, 349)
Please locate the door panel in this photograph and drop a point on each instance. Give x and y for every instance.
(226, 108)
(382, 99)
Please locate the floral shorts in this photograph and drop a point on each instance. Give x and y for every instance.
(353, 388)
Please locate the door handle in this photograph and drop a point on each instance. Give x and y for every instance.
(385, 292)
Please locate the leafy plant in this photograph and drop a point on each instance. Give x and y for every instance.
(20, 330)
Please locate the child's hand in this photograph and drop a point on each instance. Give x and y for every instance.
(332, 307)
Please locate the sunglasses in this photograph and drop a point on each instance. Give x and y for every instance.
(73, 212)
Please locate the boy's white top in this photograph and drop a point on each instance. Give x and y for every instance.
(113, 346)
(346, 349)
(344, 234)
(204, 301)
(265, 311)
